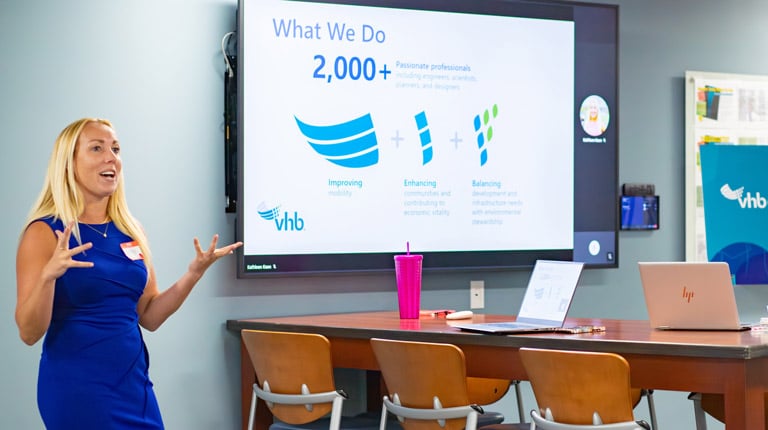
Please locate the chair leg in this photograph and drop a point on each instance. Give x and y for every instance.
(698, 412)
(383, 420)
(519, 397)
(336, 413)
(651, 408)
(471, 421)
(252, 414)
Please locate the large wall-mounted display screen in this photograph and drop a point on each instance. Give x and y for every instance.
(482, 133)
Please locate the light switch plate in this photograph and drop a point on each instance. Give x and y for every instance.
(476, 294)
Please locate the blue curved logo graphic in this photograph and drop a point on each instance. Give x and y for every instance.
(266, 213)
(352, 144)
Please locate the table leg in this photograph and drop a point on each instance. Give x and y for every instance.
(745, 398)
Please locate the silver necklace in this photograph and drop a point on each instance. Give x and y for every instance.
(105, 230)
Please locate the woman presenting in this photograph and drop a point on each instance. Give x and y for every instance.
(85, 281)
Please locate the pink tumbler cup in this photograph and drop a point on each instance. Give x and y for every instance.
(408, 274)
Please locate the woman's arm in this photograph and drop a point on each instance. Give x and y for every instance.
(41, 259)
(155, 307)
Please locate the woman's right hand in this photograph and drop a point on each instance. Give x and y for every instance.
(61, 260)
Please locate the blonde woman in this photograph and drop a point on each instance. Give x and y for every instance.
(85, 282)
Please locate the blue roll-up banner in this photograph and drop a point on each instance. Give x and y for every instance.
(735, 193)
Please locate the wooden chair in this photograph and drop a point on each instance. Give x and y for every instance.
(714, 405)
(580, 390)
(294, 375)
(485, 391)
(427, 386)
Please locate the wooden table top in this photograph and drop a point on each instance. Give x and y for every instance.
(620, 336)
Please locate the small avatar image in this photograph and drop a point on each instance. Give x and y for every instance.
(594, 115)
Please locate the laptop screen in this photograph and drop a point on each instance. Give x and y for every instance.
(689, 295)
(550, 292)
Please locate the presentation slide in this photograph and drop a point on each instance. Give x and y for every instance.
(367, 128)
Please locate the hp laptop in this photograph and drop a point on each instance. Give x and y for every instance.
(546, 301)
(690, 296)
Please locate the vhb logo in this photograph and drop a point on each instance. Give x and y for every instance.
(286, 222)
(687, 294)
(747, 201)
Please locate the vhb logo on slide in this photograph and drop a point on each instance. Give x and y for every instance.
(747, 201)
(286, 222)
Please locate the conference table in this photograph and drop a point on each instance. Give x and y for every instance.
(732, 363)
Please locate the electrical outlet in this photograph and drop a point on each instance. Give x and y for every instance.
(476, 294)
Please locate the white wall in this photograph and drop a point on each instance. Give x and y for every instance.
(155, 69)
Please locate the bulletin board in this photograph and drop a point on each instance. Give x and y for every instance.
(720, 109)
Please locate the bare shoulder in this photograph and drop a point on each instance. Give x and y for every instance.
(38, 237)
(39, 229)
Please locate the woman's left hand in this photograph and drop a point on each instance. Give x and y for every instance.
(205, 258)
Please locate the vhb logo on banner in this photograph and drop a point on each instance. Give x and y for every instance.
(735, 194)
(747, 201)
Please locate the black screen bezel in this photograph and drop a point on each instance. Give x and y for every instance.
(596, 175)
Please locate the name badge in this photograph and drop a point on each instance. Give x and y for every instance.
(132, 250)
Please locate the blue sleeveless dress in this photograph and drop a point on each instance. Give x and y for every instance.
(94, 366)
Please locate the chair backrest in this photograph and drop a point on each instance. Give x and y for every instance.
(286, 361)
(574, 385)
(418, 372)
(485, 391)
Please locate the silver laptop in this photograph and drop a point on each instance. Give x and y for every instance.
(690, 296)
(546, 301)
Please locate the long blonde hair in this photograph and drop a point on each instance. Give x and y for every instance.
(62, 199)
